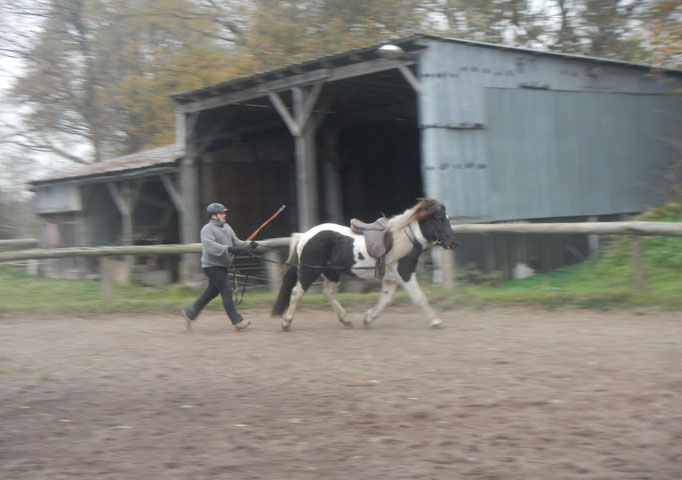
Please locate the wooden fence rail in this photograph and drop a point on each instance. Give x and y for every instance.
(40, 253)
(665, 229)
(18, 244)
(634, 229)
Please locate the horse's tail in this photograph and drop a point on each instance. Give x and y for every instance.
(289, 279)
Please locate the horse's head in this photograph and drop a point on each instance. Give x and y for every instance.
(435, 224)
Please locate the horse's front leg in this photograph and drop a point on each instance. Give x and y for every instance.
(330, 288)
(418, 298)
(388, 288)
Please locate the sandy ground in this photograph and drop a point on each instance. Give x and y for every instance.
(496, 394)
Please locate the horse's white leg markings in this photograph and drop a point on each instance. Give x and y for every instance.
(330, 289)
(388, 288)
(296, 295)
(420, 299)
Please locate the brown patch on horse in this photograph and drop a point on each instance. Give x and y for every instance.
(426, 208)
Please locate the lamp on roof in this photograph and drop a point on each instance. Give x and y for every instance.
(390, 51)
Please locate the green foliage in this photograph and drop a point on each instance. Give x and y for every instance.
(471, 274)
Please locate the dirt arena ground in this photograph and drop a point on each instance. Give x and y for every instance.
(495, 394)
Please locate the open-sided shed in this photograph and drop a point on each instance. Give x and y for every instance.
(128, 200)
(496, 133)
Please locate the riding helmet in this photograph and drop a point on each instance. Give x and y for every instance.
(214, 208)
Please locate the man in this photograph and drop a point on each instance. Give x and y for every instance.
(220, 245)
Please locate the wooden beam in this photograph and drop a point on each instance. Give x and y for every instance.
(293, 126)
(173, 193)
(304, 79)
(309, 103)
(411, 78)
(134, 195)
(120, 202)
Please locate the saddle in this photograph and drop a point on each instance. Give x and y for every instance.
(378, 240)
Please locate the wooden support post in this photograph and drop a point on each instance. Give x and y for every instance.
(333, 197)
(124, 197)
(638, 276)
(302, 127)
(189, 191)
(306, 165)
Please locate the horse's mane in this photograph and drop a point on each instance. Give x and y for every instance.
(425, 208)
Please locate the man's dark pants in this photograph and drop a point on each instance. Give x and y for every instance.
(218, 283)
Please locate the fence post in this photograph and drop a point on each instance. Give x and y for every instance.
(448, 267)
(273, 270)
(637, 248)
(106, 276)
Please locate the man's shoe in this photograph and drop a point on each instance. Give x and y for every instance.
(188, 319)
(242, 325)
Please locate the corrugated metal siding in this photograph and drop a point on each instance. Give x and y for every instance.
(451, 107)
(509, 135)
(455, 171)
(554, 154)
(58, 198)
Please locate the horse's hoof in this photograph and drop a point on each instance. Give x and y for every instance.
(367, 323)
(285, 326)
(436, 323)
(347, 324)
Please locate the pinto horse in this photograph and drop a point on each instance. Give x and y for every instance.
(331, 250)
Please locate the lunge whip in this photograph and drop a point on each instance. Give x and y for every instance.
(266, 222)
(234, 272)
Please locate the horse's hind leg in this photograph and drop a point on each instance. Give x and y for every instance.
(306, 277)
(296, 295)
(330, 289)
(387, 291)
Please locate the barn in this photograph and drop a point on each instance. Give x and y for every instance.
(498, 134)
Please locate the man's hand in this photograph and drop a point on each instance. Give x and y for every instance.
(233, 250)
(254, 245)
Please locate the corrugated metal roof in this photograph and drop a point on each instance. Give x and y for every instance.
(128, 163)
(409, 44)
(333, 59)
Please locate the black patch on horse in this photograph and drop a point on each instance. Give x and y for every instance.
(408, 264)
(326, 249)
(437, 228)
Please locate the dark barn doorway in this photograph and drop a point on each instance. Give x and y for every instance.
(380, 168)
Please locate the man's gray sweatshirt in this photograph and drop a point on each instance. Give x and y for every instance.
(216, 237)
